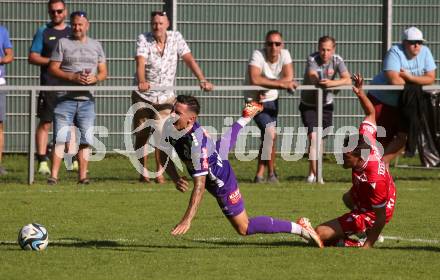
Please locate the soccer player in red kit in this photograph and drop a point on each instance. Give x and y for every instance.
(372, 196)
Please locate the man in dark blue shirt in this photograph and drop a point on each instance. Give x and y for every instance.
(45, 40)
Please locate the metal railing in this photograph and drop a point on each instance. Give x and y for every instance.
(34, 89)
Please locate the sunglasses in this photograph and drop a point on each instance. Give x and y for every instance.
(269, 44)
(53, 12)
(78, 14)
(158, 13)
(412, 43)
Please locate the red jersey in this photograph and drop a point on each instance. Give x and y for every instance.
(373, 186)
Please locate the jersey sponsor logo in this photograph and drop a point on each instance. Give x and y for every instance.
(51, 38)
(234, 197)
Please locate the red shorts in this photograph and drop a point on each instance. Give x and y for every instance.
(389, 118)
(353, 222)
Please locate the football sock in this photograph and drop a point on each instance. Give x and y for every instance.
(228, 140)
(41, 158)
(244, 121)
(265, 224)
(296, 229)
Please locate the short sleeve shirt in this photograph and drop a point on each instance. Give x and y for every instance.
(395, 60)
(268, 70)
(75, 56)
(5, 43)
(160, 70)
(373, 186)
(43, 43)
(336, 66)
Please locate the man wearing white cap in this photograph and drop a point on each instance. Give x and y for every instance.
(408, 62)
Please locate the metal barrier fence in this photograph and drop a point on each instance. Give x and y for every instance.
(30, 113)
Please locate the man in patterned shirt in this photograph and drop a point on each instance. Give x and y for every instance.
(372, 197)
(157, 55)
(207, 162)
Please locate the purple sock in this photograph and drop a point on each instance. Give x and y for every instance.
(228, 140)
(264, 224)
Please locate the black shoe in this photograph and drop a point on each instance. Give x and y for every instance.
(52, 181)
(84, 181)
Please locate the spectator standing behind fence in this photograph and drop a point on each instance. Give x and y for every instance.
(43, 43)
(270, 67)
(407, 62)
(321, 70)
(77, 60)
(157, 55)
(6, 57)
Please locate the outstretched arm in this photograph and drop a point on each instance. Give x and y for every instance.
(194, 202)
(370, 113)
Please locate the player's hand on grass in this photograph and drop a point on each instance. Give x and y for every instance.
(182, 184)
(181, 228)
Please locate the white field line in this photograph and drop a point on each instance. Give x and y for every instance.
(265, 237)
(414, 240)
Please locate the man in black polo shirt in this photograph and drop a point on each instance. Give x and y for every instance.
(45, 40)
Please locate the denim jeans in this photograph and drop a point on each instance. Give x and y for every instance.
(78, 113)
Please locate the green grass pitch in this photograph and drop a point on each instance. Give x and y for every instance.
(117, 228)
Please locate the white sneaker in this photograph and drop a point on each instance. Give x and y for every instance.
(75, 165)
(310, 179)
(308, 233)
(43, 168)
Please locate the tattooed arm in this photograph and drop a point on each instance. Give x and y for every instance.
(194, 202)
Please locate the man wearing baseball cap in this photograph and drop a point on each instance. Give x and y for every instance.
(408, 62)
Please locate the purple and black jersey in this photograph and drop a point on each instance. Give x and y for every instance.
(201, 157)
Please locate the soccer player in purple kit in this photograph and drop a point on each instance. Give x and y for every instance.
(207, 163)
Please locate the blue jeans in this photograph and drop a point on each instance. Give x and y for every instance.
(267, 116)
(78, 113)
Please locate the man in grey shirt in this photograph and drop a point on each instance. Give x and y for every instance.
(321, 70)
(77, 60)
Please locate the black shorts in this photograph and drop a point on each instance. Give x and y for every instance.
(309, 116)
(47, 100)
